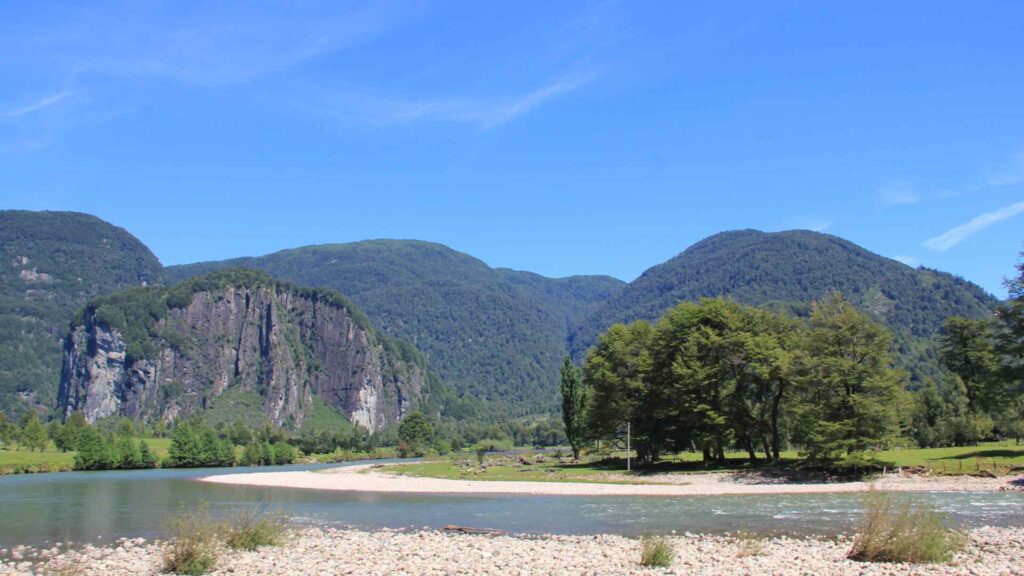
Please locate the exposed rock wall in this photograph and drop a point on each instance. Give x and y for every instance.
(286, 346)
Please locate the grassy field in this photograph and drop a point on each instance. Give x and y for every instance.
(999, 458)
(53, 460)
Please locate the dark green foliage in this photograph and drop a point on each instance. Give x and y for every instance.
(8, 432)
(495, 336)
(33, 435)
(267, 453)
(98, 451)
(788, 270)
(574, 405)
(51, 263)
(194, 445)
(848, 396)
(94, 451)
(415, 435)
(967, 349)
(717, 375)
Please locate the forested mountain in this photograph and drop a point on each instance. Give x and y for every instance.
(494, 336)
(239, 345)
(51, 263)
(786, 270)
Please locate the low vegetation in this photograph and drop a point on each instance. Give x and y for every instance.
(656, 552)
(902, 530)
(193, 548)
(196, 540)
(748, 544)
(252, 529)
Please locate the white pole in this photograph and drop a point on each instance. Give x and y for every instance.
(628, 464)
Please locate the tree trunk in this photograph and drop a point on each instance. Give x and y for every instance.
(776, 436)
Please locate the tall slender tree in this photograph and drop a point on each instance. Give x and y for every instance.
(574, 405)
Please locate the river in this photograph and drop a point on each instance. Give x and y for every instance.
(39, 509)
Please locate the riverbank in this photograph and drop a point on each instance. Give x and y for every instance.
(989, 551)
(374, 478)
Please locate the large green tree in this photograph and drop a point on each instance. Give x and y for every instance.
(33, 433)
(850, 398)
(967, 349)
(615, 372)
(574, 405)
(720, 371)
(415, 435)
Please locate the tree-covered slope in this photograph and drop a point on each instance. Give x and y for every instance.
(495, 336)
(233, 338)
(51, 264)
(789, 269)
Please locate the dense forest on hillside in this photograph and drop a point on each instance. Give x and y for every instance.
(785, 271)
(51, 263)
(496, 337)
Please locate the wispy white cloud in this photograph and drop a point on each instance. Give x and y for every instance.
(484, 112)
(908, 260)
(36, 105)
(1010, 175)
(215, 43)
(955, 235)
(898, 192)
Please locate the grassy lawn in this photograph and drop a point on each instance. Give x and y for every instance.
(554, 472)
(998, 457)
(53, 460)
(19, 461)
(991, 456)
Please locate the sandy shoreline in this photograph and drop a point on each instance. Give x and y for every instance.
(366, 478)
(989, 552)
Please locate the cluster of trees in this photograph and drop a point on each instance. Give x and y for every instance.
(30, 434)
(982, 396)
(715, 375)
(95, 450)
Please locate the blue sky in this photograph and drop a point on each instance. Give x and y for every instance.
(558, 137)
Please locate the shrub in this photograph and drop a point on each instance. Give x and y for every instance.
(251, 529)
(656, 552)
(193, 547)
(902, 532)
(748, 544)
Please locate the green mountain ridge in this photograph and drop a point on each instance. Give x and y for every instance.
(788, 270)
(495, 336)
(51, 264)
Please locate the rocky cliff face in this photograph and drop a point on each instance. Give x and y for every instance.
(288, 345)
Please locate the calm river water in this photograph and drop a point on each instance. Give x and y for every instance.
(37, 509)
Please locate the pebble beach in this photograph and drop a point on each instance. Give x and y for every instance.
(372, 478)
(989, 552)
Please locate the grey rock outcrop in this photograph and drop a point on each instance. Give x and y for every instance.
(287, 345)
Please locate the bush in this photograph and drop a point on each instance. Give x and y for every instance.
(902, 532)
(252, 529)
(193, 546)
(656, 552)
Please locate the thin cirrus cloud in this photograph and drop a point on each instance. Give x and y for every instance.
(898, 193)
(958, 234)
(485, 113)
(35, 106)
